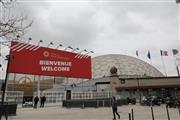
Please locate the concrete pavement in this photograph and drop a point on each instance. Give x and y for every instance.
(59, 113)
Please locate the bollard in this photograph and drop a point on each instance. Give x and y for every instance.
(179, 111)
(167, 112)
(129, 116)
(97, 103)
(83, 106)
(152, 113)
(132, 114)
(4, 113)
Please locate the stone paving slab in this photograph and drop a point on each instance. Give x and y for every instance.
(59, 113)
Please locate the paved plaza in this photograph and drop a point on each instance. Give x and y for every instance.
(59, 113)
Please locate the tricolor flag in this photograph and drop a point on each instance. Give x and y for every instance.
(164, 53)
(149, 55)
(175, 51)
(137, 54)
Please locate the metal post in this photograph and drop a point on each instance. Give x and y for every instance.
(8, 58)
(97, 103)
(152, 113)
(129, 116)
(179, 111)
(167, 112)
(54, 80)
(83, 105)
(4, 84)
(38, 88)
(132, 114)
(177, 70)
(139, 90)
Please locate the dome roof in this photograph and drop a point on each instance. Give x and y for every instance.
(125, 65)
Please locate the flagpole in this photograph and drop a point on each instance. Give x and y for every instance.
(163, 65)
(179, 24)
(176, 66)
(138, 56)
(151, 62)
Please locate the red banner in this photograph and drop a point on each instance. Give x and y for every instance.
(32, 59)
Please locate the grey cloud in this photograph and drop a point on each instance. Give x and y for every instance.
(110, 27)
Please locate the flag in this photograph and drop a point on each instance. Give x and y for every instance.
(137, 54)
(174, 51)
(164, 53)
(149, 55)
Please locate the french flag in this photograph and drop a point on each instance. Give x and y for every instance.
(164, 53)
(137, 54)
(175, 51)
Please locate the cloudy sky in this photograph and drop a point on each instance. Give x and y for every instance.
(107, 26)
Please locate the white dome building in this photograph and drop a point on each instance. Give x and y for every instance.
(135, 79)
(126, 65)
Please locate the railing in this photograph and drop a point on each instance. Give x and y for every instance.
(13, 96)
(56, 97)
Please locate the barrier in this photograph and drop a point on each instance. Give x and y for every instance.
(167, 113)
(129, 116)
(179, 111)
(152, 113)
(8, 109)
(132, 114)
(91, 103)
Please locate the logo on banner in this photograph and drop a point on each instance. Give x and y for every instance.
(46, 54)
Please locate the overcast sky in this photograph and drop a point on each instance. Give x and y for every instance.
(107, 27)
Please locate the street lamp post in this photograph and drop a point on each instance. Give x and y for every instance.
(79, 55)
(60, 45)
(75, 49)
(51, 43)
(8, 58)
(139, 90)
(86, 55)
(40, 41)
(3, 108)
(29, 39)
(68, 47)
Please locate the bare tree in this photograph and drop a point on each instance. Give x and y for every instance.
(6, 3)
(11, 25)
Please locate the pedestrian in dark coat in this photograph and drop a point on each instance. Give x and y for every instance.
(114, 108)
(43, 100)
(36, 100)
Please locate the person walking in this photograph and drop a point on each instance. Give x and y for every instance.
(43, 100)
(114, 108)
(36, 99)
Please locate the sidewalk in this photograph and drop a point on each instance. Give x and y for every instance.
(59, 113)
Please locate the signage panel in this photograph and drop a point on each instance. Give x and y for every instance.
(32, 59)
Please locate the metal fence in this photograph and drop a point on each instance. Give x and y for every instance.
(56, 97)
(13, 96)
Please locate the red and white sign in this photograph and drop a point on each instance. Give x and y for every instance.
(31, 59)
